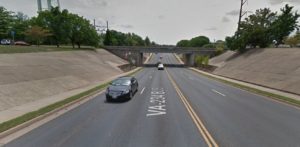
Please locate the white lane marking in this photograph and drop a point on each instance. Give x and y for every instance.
(143, 90)
(218, 92)
(157, 103)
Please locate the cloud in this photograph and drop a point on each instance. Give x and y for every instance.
(127, 26)
(236, 12)
(161, 17)
(275, 2)
(89, 3)
(225, 19)
(233, 13)
(212, 29)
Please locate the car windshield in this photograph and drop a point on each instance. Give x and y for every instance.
(121, 82)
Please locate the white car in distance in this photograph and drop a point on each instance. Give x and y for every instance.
(160, 66)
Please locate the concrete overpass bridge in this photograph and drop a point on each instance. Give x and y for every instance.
(136, 53)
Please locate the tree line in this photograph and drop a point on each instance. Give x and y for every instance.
(57, 27)
(264, 28)
(115, 38)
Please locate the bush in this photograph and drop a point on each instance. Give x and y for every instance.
(201, 60)
(198, 60)
(219, 51)
(205, 60)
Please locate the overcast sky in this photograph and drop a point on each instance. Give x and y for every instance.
(164, 21)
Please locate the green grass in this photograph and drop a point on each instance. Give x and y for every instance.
(259, 92)
(31, 115)
(9, 49)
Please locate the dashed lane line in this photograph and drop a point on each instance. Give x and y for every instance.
(143, 90)
(218, 92)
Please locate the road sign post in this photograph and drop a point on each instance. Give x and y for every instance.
(13, 33)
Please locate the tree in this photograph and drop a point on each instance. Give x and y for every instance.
(19, 24)
(291, 41)
(107, 38)
(183, 43)
(55, 21)
(255, 29)
(285, 23)
(36, 34)
(261, 28)
(5, 21)
(199, 41)
(147, 41)
(80, 31)
(115, 38)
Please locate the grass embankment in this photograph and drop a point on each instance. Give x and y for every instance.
(257, 91)
(9, 49)
(31, 115)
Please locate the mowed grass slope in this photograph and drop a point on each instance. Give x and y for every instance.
(8, 49)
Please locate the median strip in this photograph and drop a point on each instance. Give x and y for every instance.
(198, 122)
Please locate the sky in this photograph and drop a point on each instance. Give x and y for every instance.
(163, 21)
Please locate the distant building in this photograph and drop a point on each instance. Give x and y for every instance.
(50, 4)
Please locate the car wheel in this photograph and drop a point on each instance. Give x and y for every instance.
(130, 95)
(108, 99)
(137, 88)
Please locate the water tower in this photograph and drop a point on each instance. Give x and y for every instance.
(50, 4)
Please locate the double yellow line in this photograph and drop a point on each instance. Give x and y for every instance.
(202, 129)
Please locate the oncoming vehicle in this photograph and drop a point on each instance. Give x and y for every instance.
(160, 66)
(122, 88)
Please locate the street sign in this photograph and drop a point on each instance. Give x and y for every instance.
(12, 33)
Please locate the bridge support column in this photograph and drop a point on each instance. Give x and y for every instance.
(140, 59)
(190, 59)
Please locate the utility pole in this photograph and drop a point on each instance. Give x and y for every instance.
(95, 24)
(241, 14)
(107, 25)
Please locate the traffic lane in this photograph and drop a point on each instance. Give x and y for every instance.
(97, 123)
(71, 123)
(115, 128)
(239, 118)
(160, 123)
(169, 59)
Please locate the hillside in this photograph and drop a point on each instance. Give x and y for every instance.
(28, 77)
(278, 68)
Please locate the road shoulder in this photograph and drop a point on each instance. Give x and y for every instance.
(287, 98)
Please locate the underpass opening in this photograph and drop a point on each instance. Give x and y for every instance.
(167, 59)
(136, 55)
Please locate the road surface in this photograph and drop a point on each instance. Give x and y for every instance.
(173, 108)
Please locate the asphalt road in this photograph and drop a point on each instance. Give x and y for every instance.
(161, 115)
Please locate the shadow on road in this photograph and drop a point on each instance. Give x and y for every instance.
(166, 65)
